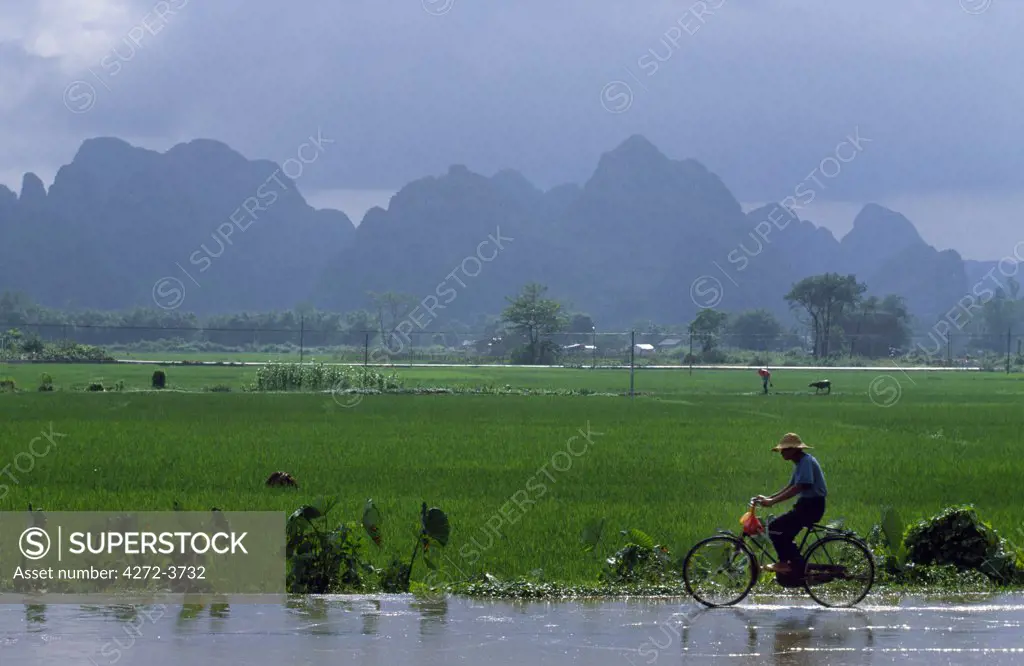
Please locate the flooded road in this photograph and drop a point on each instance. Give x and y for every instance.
(399, 630)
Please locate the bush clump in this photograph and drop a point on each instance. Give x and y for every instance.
(7, 385)
(321, 377)
(640, 561)
(95, 386)
(958, 537)
(159, 379)
(46, 382)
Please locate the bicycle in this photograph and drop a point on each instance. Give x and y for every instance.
(837, 561)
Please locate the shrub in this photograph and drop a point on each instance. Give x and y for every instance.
(958, 537)
(322, 559)
(95, 386)
(546, 353)
(7, 385)
(640, 561)
(72, 352)
(33, 346)
(219, 388)
(159, 379)
(321, 377)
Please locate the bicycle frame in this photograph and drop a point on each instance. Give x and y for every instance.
(819, 532)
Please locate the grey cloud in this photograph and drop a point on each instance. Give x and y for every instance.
(758, 94)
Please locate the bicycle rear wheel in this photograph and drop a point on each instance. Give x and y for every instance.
(839, 571)
(720, 571)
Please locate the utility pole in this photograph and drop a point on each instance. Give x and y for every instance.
(691, 353)
(302, 336)
(1009, 331)
(632, 348)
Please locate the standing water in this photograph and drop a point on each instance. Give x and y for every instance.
(397, 630)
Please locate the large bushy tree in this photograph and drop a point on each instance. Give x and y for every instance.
(824, 299)
(534, 316)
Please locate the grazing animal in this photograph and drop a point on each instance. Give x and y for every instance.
(281, 479)
(823, 384)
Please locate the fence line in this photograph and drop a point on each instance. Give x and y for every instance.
(580, 348)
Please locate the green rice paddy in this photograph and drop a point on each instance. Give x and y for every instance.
(677, 462)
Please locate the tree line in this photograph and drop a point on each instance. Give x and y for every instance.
(833, 308)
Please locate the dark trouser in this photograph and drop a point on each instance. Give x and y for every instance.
(765, 384)
(783, 530)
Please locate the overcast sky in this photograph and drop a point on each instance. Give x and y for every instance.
(760, 93)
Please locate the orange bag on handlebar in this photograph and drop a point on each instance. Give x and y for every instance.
(751, 523)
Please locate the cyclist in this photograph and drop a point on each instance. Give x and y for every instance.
(808, 482)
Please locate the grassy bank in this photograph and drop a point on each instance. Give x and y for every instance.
(662, 382)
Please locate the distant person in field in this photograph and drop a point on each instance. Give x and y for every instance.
(807, 482)
(766, 378)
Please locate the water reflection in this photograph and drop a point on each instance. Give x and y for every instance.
(35, 617)
(399, 630)
(371, 618)
(790, 636)
(432, 615)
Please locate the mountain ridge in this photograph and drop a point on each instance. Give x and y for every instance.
(629, 243)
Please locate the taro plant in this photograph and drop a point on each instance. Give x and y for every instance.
(888, 537)
(640, 560)
(323, 559)
(434, 529)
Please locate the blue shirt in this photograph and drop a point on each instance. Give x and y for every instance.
(808, 471)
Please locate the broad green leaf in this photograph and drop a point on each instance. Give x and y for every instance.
(305, 511)
(892, 528)
(592, 534)
(436, 525)
(641, 539)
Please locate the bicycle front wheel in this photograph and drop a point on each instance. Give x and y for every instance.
(720, 571)
(839, 572)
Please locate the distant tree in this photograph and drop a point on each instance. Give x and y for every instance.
(825, 298)
(706, 329)
(391, 307)
(534, 316)
(999, 315)
(876, 325)
(357, 324)
(33, 344)
(580, 323)
(754, 329)
(582, 327)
